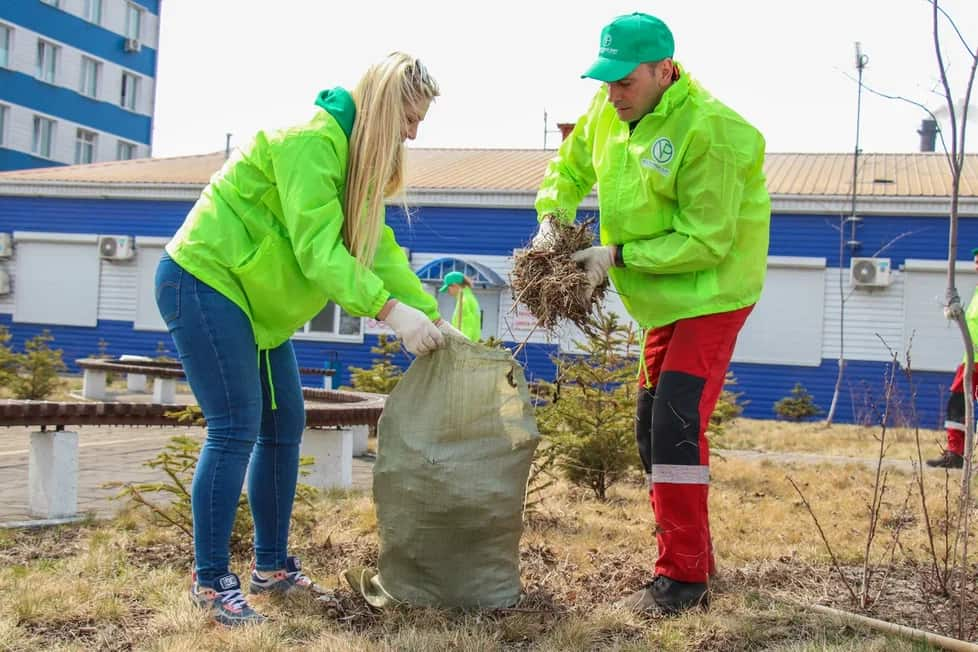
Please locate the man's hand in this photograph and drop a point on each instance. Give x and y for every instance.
(418, 333)
(448, 330)
(596, 262)
(544, 239)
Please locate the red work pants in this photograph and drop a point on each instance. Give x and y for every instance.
(685, 364)
(954, 414)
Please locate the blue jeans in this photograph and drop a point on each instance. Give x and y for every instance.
(230, 380)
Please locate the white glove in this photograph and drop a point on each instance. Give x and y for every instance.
(544, 239)
(596, 261)
(448, 330)
(418, 333)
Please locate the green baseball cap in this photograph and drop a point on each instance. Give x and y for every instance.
(974, 252)
(628, 41)
(451, 278)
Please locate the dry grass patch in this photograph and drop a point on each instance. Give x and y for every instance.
(122, 585)
(838, 439)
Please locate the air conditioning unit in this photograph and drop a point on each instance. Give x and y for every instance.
(116, 247)
(131, 45)
(869, 272)
(6, 245)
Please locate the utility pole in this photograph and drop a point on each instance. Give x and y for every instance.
(227, 146)
(852, 243)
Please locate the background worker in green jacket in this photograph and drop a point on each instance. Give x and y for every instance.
(684, 220)
(467, 316)
(953, 456)
(293, 220)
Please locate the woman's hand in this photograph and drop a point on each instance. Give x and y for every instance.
(418, 333)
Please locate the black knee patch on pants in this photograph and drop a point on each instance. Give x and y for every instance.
(676, 419)
(955, 407)
(643, 426)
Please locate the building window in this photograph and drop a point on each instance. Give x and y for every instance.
(43, 137)
(125, 151)
(134, 19)
(93, 11)
(90, 72)
(85, 146)
(5, 46)
(46, 62)
(130, 91)
(334, 322)
(3, 122)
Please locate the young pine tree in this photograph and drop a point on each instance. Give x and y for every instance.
(37, 370)
(383, 376)
(589, 421)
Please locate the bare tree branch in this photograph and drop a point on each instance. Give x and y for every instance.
(954, 26)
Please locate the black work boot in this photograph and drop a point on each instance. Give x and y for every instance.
(666, 595)
(948, 460)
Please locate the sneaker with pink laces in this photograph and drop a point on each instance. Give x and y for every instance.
(226, 603)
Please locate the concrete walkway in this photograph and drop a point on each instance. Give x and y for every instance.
(119, 454)
(106, 453)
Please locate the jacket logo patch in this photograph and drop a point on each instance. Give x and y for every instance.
(662, 150)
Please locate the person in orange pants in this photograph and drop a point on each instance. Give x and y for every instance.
(953, 455)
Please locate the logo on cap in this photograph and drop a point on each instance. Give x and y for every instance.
(606, 41)
(662, 150)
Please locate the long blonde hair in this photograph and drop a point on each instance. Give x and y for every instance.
(376, 162)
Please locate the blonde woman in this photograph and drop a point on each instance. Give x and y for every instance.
(293, 220)
(467, 316)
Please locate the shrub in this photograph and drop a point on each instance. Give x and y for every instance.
(728, 407)
(37, 369)
(799, 405)
(384, 375)
(589, 419)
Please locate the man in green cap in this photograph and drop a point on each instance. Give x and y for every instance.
(684, 221)
(467, 316)
(953, 455)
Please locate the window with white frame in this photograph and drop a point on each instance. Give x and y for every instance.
(130, 91)
(3, 123)
(90, 73)
(334, 323)
(93, 11)
(85, 146)
(45, 65)
(134, 19)
(5, 33)
(42, 141)
(125, 151)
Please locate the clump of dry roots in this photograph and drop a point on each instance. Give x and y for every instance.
(550, 284)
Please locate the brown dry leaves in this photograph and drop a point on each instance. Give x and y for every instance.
(550, 284)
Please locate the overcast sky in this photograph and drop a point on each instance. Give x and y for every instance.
(785, 65)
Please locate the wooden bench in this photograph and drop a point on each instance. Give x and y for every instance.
(332, 420)
(164, 374)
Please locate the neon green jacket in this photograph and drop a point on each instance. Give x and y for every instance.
(971, 317)
(267, 231)
(468, 316)
(684, 196)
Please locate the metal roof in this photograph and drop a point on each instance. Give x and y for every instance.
(520, 171)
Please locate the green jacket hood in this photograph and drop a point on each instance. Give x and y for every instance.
(339, 103)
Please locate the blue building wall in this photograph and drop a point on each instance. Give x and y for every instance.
(468, 231)
(63, 101)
